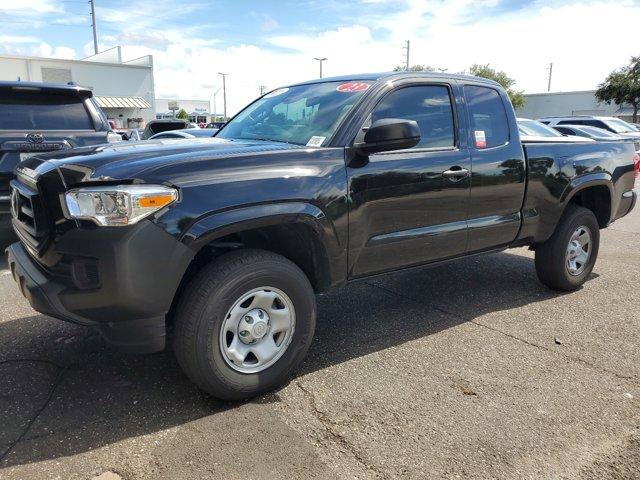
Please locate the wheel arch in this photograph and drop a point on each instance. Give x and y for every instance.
(298, 231)
(594, 192)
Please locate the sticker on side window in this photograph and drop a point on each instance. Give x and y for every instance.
(481, 139)
(276, 92)
(351, 87)
(315, 141)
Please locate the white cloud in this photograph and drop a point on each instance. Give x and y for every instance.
(49, 51)
(585, 40)
(21, 39)
(450, 34)
(33, 6)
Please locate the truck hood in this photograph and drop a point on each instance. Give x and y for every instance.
(134, 160)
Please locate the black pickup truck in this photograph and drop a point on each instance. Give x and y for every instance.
(43, 117)
(226, 240)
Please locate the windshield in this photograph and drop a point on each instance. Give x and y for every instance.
(303, 115)
(43, 111)
(533, 128)
(620, 126)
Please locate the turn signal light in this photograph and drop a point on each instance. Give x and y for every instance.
(157, 201)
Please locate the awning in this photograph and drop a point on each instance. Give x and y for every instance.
(199, 114)
(122, 102)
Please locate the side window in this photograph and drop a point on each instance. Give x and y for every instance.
(489, 123)
(598, 124)
(429, 106)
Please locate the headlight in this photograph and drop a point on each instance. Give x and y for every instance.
(118, 205)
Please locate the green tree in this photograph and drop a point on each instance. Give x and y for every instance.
(417, 68)
(485, 71)
(182, 114)
(622, 86)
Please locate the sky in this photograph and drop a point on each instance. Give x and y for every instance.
(273, 43)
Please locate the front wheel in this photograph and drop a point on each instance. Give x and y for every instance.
(244, 323)
(566, 259)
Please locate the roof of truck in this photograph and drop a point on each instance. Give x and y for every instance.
(359, 77)
(70, 88)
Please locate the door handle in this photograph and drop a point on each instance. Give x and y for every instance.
(455, 173)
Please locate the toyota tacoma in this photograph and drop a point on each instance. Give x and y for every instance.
(225, 241)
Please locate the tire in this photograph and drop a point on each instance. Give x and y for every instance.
(210, 358)
(553, 257)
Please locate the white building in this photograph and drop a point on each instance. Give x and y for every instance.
(199, 110)
(564, 104)
(124, 90)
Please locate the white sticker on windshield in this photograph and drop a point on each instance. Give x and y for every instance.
(315, 141)
(275, 93)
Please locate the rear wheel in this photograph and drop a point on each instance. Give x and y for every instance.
(566, 260)
(244, 324)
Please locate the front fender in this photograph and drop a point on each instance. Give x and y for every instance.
(223, 223)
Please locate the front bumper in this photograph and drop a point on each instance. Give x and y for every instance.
(132, 278)
(6, 231)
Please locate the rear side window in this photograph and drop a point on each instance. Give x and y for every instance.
(489, 124)
(429, 106)
(597, 124)
(40, 111)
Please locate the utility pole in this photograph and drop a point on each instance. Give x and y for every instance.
(550, 73)
(224, 92)
(262, 89)
(406, 49)
(93, 24)
(320, 60)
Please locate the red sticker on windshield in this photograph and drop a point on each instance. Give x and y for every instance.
(352, 87)
(481, 139)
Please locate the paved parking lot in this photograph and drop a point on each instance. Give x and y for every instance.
(467, 370)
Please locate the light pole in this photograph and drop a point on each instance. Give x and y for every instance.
(215, 113)
(320, 60)
(94, 26)
(224, 92)
(210, 86)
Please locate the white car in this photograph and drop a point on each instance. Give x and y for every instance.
(535, 132)
(612, 124)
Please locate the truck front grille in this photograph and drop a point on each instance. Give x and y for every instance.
(29, 217)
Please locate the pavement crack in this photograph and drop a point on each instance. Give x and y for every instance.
(336, 437)
(438, 308)
(62, 371)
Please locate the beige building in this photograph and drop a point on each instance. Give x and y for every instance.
(199, 110)
(567, 104)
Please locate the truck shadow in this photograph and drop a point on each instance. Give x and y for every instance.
(63, 392)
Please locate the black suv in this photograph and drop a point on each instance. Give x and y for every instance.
(41, 117)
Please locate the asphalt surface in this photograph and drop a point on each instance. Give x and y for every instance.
(467, 370)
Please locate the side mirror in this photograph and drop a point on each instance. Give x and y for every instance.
(389, 134)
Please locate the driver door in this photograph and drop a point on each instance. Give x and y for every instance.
(407, 207)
